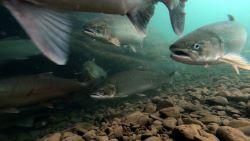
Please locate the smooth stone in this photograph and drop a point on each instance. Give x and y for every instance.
(192, 132)
(137, 118)
(153, 139)
(150, 108)
(52, 137)
(217, 100)
(170, 123)
(245, 130)
(226, 133)
(210, 119)
(90, 135)
(170, 112)
(69, 136)
(238, 123)
(103, 138)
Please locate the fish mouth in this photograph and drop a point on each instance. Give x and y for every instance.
(89, 31)
(101, 96)
(180, 55)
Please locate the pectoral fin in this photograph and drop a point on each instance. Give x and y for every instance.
(115, 41)
(141, 17)
(177, 17)
(49, 30)
(133, 48)
(236, 61)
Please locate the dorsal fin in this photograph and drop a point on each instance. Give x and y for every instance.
(231, 17)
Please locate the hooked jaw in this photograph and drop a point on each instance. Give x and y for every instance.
(180, 55)
(89, 31)
(106, 92)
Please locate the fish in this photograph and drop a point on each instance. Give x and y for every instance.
(18, 49)
(177, 16)
(216, 43)
(49, 24)
(93, 71)
(27, 90)
(130, 82)
(116, 30)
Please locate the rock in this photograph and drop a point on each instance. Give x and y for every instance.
(234, 94)
(226, 133)
(212, 127)
(52, 137)
(217, 100)
(232, 110)
(164, 103)
(153, 139)
(248, 107)
(150, 108)
(170, 112)
(245, 130)
(156, 99)
(245, 90)
(157, 124)
(170, 123)
(238, 123)
(103, 138)
(137, 118)
(191, 132)
(189, 120)
(210, 119)
(189, 107)
(117, 131)
(90, 135)
(68, 136)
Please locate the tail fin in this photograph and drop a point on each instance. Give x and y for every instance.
(49, 30)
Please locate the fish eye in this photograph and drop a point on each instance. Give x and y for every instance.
(197, 46)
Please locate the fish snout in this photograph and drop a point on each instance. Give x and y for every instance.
(173, 47)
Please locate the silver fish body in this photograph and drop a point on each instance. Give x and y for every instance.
(130, 82)
(17, 49)
(209, 43)
(114, 29)
(212, 44)
(93, 71)
(34, 89)
(50, 26)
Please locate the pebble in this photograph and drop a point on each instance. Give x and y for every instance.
(248, 107)
(238, 123)
(150, 108)
(217, 100)
(52, 137)
(170, 123)
(68, 136)
(192, 132)
(90, 135)
(210, 119)
(103, 138)
(170, 112)
(153, 139)
(226, 133)
(137, 118)
(245, 130)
